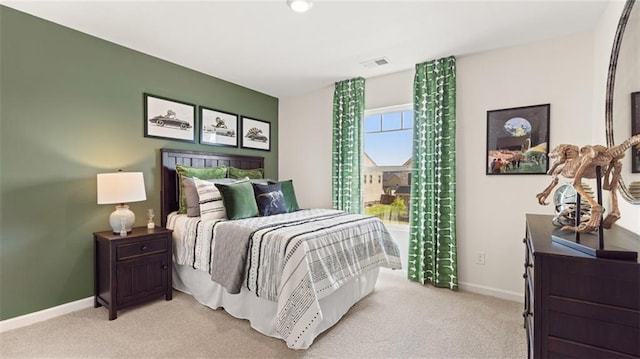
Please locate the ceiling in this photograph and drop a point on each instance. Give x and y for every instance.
(265, 46)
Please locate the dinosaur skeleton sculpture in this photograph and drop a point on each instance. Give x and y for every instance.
(571, 162)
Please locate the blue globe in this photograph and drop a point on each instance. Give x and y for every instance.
(518, 127)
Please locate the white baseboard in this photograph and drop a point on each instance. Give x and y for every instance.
(494, 292)
(31, 318)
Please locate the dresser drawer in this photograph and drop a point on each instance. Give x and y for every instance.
(151, 246)
(606, 282)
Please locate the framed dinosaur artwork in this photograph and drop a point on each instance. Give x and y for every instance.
(256, 134)
(517, 140)
(635, 130)
(218, 128)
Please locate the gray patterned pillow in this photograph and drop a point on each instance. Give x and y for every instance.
(198, 172)
(210, 200)
(192, 198)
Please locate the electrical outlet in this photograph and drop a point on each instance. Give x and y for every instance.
(480, 258)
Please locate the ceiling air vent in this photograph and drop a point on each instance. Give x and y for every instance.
(380, 61)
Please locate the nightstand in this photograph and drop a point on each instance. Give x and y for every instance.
(133, 269)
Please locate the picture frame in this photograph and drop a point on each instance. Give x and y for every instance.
(635, 129)
(256, 134)
(169, 119)
(218, 128)
(518, 140)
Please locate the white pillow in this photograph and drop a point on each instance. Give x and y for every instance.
(211, 205)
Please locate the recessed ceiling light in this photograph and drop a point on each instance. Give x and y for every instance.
(300, 5)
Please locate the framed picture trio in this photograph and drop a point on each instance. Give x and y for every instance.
(176, 120)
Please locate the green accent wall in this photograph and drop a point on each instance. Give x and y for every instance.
(71, 106)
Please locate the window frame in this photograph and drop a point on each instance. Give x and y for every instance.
(384, 110)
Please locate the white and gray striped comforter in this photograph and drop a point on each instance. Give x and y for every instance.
(294, 259)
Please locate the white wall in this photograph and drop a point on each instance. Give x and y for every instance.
(490, 208)
(391, 90)
(304, 144)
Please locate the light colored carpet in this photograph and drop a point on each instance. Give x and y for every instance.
(400, 319)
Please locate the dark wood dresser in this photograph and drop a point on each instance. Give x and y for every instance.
(132, 269)
(576, 305)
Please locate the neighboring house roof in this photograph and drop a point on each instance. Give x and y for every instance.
(368, 162)
(388, 175)
(408, 163)
(403, 190)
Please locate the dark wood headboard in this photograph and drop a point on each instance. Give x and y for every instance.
(169, 179)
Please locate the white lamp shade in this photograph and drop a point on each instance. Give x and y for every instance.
(121, 187)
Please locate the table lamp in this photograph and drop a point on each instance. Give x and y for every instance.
(121, 187)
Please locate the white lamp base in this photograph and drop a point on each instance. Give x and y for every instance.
(122, 215)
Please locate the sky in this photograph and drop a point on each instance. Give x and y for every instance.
(388, 148)
(391, 148)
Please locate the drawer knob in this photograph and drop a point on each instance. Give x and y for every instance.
(165, 266)
(527, 314)
(524, 276)
(144, 247)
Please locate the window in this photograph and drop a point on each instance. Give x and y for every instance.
(388, 138)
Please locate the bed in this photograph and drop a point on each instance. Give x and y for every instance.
(297, 274)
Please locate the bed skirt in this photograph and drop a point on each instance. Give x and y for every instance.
(260, 312)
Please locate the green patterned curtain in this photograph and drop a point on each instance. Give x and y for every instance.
(432, 243)
(348, 114)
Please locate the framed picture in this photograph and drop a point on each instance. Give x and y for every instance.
(635, 130)
(518, 140)
(256, 134)
(218, 128)
(169, 119)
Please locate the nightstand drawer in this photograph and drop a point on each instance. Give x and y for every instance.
(151, 246)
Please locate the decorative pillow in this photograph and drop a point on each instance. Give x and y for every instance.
(269, 199)
(238, 199)
(191, 198)
(191, 193)
(255, 173)
(259, 181)
(290, 201)
(211, 204)
(202, 173)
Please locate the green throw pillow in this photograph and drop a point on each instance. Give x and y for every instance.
(238, 199)
(255, 173)
(290, 201)
(203, 173)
